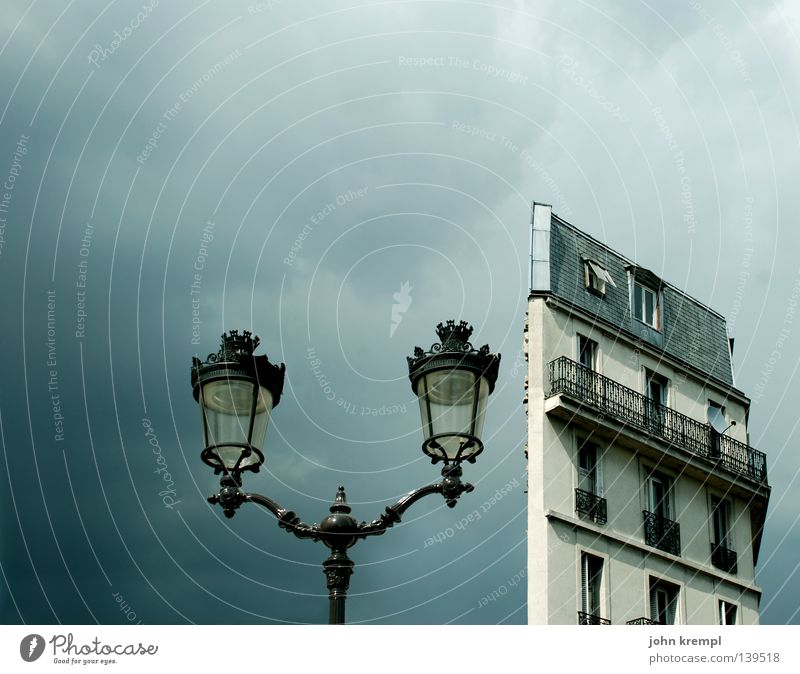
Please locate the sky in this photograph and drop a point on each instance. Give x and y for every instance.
(338, 178)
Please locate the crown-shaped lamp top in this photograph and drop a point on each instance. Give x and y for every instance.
(235, 345)
(454, 333)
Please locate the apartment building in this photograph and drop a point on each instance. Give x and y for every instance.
(646, 502)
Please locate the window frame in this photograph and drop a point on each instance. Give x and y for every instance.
(596, 278)
(668, 495)
(595, 474)
(592, 579)
(672, 593)
(721, 508)
(594, 349)
(654, 415)
(722, 614)
(651, 376)
(640, 307)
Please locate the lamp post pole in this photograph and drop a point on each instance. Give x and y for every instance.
(238, 390)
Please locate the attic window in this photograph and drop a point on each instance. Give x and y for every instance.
(596, 277)
(646, 306)
(646, 297)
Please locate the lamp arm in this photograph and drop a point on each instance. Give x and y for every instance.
(287, 519)
(451, 487)
(231, 497)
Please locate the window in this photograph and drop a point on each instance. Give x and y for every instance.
(720, 518)
(591, 578)
(589, 499)
(722, 555)
(596, 277)
(658, 495)
(646, 306)
(588, 469)
(660, 530)
(717, 424)
(663, 602)
(727, 613)
(587, 352)
(591, 385)
(657, 394)
(657, 387)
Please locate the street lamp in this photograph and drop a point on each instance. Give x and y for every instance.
(237, 391)
(453, 382)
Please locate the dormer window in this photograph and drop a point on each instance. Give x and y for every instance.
(646, 293)
(646, 306)
(595, 277)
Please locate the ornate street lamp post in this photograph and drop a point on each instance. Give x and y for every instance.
(238, 390)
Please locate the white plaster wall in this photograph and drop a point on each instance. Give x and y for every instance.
(554, 546)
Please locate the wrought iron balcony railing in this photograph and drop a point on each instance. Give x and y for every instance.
(642, 621)
(723, 558)
(591, 505)
(662, 533)
(630, 407)
(591, 619)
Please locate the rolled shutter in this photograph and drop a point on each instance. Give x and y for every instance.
(598, 473)
(653, 603)
(585, 583)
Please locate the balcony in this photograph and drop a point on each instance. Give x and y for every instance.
(642, 621)
(591, 505)
(631, 408)
(591, 619)
(662, 533)
(723, 558)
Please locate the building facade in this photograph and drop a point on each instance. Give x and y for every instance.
(646, 503)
